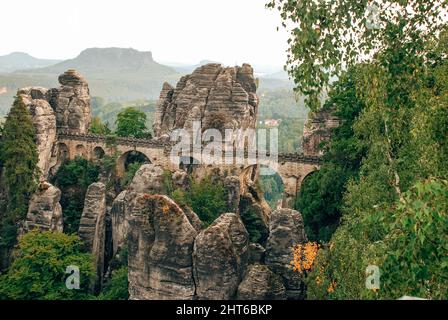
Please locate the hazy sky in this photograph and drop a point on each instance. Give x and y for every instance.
(184, 31)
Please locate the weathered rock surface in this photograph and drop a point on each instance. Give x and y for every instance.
(254, 210)
(318, 129)
(220, 258)
(92, 228)
(286, 230)
(160, 250)
(65, 108)
(232, 185)
(71, 103)
(44, 120)
(256, 253)
(44, 210)
(120, 225)
(148, 179)
(260, 283)
(217, 97)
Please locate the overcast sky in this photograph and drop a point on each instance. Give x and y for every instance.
(183, 31)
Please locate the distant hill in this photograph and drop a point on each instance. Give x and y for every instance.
(20, 61)
(116, 74)
(110, 61)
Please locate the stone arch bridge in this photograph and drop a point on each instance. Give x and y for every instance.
(292, 168)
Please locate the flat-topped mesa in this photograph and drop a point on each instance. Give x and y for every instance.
(215, 96)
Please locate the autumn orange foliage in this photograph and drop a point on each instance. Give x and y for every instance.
(304, 256)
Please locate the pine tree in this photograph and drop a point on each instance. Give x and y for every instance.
(19, 158)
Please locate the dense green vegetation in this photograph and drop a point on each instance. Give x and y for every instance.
(73, 178)
(320, 198)
(38, 271)
(132, 123)
(205, 197)
(18, 170)
(108, 112)
(391, 189)
(272, 187)
(100, 128)
(117, 287)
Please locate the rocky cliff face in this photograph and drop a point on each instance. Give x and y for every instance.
(71, 103)
(170, 256)
(160, 250)
(44, 210)
(64, 108)
(220, 258)
(217, 97)
(317, 129)
(44, 120)
(286, 229)
(92, 227)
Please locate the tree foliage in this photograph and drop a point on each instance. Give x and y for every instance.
(132, 123)
(327, 37)
(39, 268)
(100, 128)
(19, 157)
(392, 212)
(206, 197)
(117, 287)
(73, 178)
(320, 198)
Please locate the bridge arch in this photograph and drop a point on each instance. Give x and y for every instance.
(129, 157)
(63, 152)
(80, 151)
(98, 153)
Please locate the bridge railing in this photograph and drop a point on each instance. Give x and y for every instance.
(128, 141)
(154, 143)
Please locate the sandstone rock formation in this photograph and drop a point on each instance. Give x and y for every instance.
(217, 97)
(160, 250)
(232, 185)
(260, 283)
(254, 210)
(317, 129)
(92, 228)
(65, 108)
(44, 120)
(256, 253)
(148, 179)
(44, 210)
(120, 225)
(286, 229)
(220, 258)
(71, 103)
